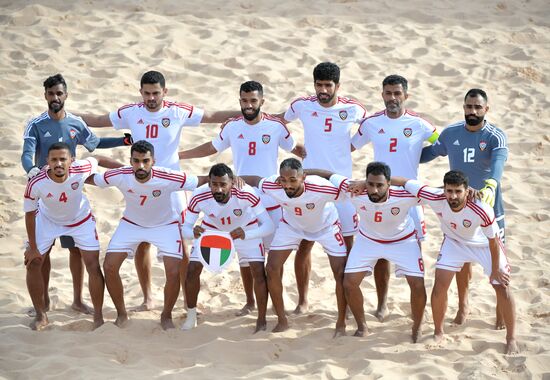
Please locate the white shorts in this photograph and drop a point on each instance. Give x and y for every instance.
(454, 254)
(179, 204)
(417, 215)
(83, 233)
(128, 236)
(275, 212)
(330, 238)
(248, 250)
(348, 217)
(405, 254)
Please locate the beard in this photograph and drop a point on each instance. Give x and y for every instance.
(473, 120)
(142, 174)
(325, 98)
(55, 107)
(57, 173)
(393, 107)
(220, 197)
(250, 116)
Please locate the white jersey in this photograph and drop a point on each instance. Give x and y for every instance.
(161, 128)
(385, 222)
(471, 226)
(327, 132)
(148, 204)
(396, 142)
(313, 210)
(241, 210)
(62, 203)
(255, 148)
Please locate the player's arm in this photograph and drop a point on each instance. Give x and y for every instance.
(299, 150)
(188, 229)
(398, 181)
(252, 180)
(96, 121)
(496, 274)
(32, 252)
(498, 159)
(326, 174)
(265, 227)
(204, 150)
(107, 162)
(27, 157)
(218, 116)
(113, 142)
(433, 151)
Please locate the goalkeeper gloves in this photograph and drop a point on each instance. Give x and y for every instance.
(488, 193)
(34, 171)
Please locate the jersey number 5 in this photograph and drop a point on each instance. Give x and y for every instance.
(328, 124)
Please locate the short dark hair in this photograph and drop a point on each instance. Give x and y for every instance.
(474, 92)
(219, 170)
(396, 79)
(455, 177)
(54, 80)
(153, 77)
(291, 163)
(142, 146)
(60, 146)
(327, 71)
(377, 168)
(252, 86)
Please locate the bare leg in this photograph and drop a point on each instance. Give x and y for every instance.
(302, 270)
(183, 272)
(418, 303)
(142, 261)
(354, 298)
(260, 289)
(382, 280)
(275, 261)
(172, 266)
(96, 284)
(499, 324)
(192, 288)
(508, 307)
(338, 264)
(77, 272)
(111, 267)
(462, 283)
(46, 269)
(35, 286)
(248, 285)
(443, 279)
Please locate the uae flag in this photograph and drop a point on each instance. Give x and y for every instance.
(216, 251)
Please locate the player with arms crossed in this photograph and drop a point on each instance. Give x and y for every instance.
(470, 235)
(397, 135)
(254, 139)
(239, 212)
(148, 217)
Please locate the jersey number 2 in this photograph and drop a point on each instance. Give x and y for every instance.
(393, 144)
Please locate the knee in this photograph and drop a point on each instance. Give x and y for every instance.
(417, 285)
(272, 270)
(193, 270)
(350, 284)
(110, 267)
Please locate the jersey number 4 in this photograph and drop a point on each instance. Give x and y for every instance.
(63, 197)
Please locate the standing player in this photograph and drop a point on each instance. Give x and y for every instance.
(239, 212)
(58, 125)
(479, 149)
(470, 234)
(254, 139)
(150, 217)
(308, 213)
(397, 136)
(56, 206)
(327, 120)
(159, 122)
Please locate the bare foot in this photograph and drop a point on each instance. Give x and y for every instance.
(98, 322)
(461, 316)
(260, 326)
(122, 320)
(361, 332)
(301, 309)
(167, 323)
(39, 323)
(145, 306)
(247, 309)
(511, 347)
(500, 325)
(280, 327)
(381, 313)
(439, 338)
(339, 331)
(82, 308)
(416, 334)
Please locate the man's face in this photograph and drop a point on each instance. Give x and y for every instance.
(251, 103)
(142, 163)
(153, 94)
(55, 96)
(377, 187)
(326, 90)
(292, 182)
(59, 161)
(475, 109)
(221, 187)
(394, 97)
(456, 196)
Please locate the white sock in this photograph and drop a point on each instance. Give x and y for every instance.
(191, 320)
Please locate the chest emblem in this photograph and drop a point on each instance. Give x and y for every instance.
(165, 122)
(74, 185)
(466, 223)
(266, 139)
(156, 193)
(310, 206)
(482, 145)
(395, 210)
(343, 114)
(407, 132)
(237, 212)
(72, 133)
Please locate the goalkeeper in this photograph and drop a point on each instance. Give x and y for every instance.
(478, 149)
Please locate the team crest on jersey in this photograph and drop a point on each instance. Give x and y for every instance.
(237, 212)
(74, 185)
(266, 139)
(343, 114)
(310, 206)
(482, 145)
(72, 133)
(165, 122)
(407, 132)
(156, 193)
(466, 223)
(395, 210)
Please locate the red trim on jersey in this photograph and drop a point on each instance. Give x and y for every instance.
(253, 199)
(272, 208)
(343, 186)
(209, 225)
(40, 176)
(481, 213)
(388, 241)
(127, 106)
(81, 222)
(271, 186)
(379, 113)
(115, 172)
(353, 101)
(135, 224)
(185, 106)
(310, 98)
(174, 177)
(429, 196)
(231, 119)
(199, 198)
(401, 194)
(277, 120)
(321, 189)
(412, 113)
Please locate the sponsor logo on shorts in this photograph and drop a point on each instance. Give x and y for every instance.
(74, 185)
(466, 223)
(165, 122)
(395, 210)
(343, 114)
(237, 212)
(407, 132)
(266, 139)
(72, 133)
(310, 206)
(482, 145)
(156, 193)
